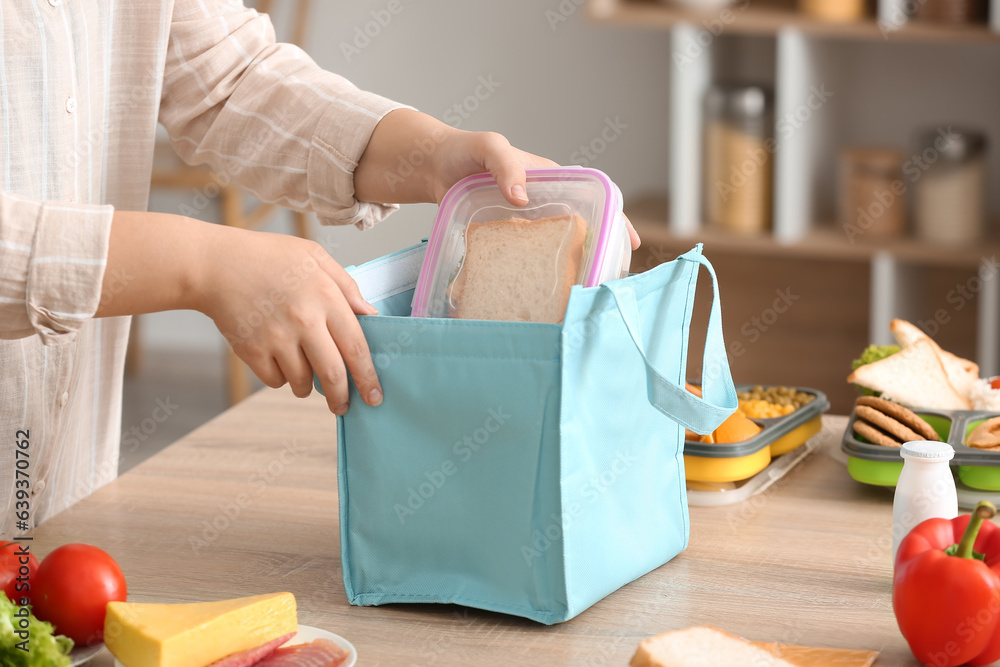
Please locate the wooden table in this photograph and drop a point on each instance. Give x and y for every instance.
(247, 504)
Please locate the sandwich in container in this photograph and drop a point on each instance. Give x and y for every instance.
(488, 259)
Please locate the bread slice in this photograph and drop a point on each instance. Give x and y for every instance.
(518, 269)
(962, 373)
(702, 647)
(914, 377)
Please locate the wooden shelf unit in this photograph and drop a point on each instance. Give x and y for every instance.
(904, 278)
(821, 242)
(754, 17)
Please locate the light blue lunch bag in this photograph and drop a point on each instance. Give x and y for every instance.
(524, 468)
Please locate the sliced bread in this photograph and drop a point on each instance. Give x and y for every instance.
(914, 377)
(702, 647)
(962, 373)
(518, 269)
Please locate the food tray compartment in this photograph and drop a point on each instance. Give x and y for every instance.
(707, 494)
(878, 465)
(772, 429)
(942, 421)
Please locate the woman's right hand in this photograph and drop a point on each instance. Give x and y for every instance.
(288, 310)
(285, 306)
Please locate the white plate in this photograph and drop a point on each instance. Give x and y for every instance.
(307, 634)
(82, 654)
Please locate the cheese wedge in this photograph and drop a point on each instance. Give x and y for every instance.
(195, 635)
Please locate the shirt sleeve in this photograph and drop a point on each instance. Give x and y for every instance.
(53, 257)
(263, 115)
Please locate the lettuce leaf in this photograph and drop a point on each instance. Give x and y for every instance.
(874, 353)
(45, 648)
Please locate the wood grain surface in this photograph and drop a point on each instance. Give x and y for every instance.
(807, 562)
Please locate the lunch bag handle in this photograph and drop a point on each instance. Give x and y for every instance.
(718, 401)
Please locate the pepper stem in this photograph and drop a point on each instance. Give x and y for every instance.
(984, 510)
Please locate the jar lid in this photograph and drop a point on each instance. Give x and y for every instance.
(737, 101)
(927, 450)
(954, 143)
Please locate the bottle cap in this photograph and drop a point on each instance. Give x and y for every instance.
(927, 450)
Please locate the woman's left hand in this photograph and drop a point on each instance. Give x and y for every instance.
(446, 156)
(467, 153)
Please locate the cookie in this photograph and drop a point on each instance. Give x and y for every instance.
(873, 435)
(986, 435)
(901, 414)
(893, 427)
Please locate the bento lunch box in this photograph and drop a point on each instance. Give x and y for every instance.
(880, 466)
(732, 462)
(583, 201)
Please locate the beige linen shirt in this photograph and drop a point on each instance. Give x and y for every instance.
(82, 85)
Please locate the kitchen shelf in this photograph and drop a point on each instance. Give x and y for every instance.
(843, 85)
(821, 242)
(768, 18)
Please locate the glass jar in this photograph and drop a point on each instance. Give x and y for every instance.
(739, 158)
(872, 193)
(950, 202)
(835, 11)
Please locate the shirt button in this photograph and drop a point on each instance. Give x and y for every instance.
(38, 487)
(64, 398)
(71, 102)
(55, 3)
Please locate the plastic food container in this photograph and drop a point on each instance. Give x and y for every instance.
(568, 207)
(732, 462)
(716, 494)
(880, 466)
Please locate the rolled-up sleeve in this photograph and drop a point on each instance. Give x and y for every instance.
(264, 116)
(53, 257)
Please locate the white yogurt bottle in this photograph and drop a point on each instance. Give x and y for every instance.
(925, 489)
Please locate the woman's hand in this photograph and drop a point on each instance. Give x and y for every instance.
(463, 154)
(289, 310)
(284, 305)
(467, 153)
(435, 157)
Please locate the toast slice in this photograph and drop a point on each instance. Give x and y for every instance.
(520, 270)
(962, 373)
(702, 647)
(914, 377)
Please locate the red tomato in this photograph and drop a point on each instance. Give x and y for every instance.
(10, 569)
(72, 589)
(995, 383)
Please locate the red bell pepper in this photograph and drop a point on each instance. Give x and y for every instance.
(946, 589)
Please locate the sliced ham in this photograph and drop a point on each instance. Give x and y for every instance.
(252, 656)
(318, 653)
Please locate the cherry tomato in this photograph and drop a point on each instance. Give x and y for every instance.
(11, 563)
(72, 589)
(995, 383)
